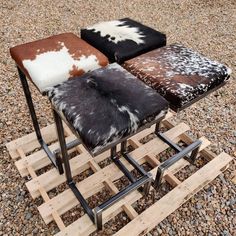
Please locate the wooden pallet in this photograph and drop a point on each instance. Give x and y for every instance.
(30, 160)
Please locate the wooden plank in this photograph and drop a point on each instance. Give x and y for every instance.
(129, 210)
(179, 195)
(58, 220)
(43, 193)
(29, 142)
(37, 160)
(93, 183)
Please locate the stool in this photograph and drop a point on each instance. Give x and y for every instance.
(50, 61)
(179, 74)
(182, 76)
(104, 108)
(122, 39)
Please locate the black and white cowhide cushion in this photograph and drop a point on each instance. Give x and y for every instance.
(123, 39)
(106, 105)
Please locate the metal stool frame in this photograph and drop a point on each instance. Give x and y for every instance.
(53, 156)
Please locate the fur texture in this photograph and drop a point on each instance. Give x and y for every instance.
(122, 39)
(178, 73)
(106, 105)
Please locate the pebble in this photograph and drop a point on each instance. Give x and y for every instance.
(198, 206)
(28, 216)
(225, 233)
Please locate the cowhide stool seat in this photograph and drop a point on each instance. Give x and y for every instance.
(104, 108)
(179, 74)
(50, 61)
(122, 39)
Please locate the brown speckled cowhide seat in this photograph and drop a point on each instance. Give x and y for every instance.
(123, 39)
(178, 73)
(106, 105)
(52, 60)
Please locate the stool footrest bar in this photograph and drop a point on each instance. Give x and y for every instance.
(98, 210)
(134, 164)
(165, 139)
(69, 146)
(55, 159)
(121, 166)
(193, 148)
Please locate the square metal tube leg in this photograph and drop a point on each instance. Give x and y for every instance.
(56, 160)
(53, 156)
(30, 104)
(61, 137)
(65, 157)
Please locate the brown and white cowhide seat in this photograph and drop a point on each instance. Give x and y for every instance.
(53, 60)
(179, 74)
(123, 39)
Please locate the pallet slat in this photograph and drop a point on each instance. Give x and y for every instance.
(52, 209)
(29, 142)
(161, 209)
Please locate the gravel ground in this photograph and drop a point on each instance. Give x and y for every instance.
(207, 26)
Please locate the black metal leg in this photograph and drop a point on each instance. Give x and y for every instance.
(61, 138)
(120, 165)
(55, 159)
(123, 148)
(30, 104)
(193, 155)
(139, 168)
(157, 128)
(70, 182)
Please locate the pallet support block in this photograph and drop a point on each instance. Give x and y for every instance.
(29, 160)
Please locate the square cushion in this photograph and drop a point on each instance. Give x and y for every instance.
(106, 105)
(178, 73)
(122, 39)
(52, 60)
